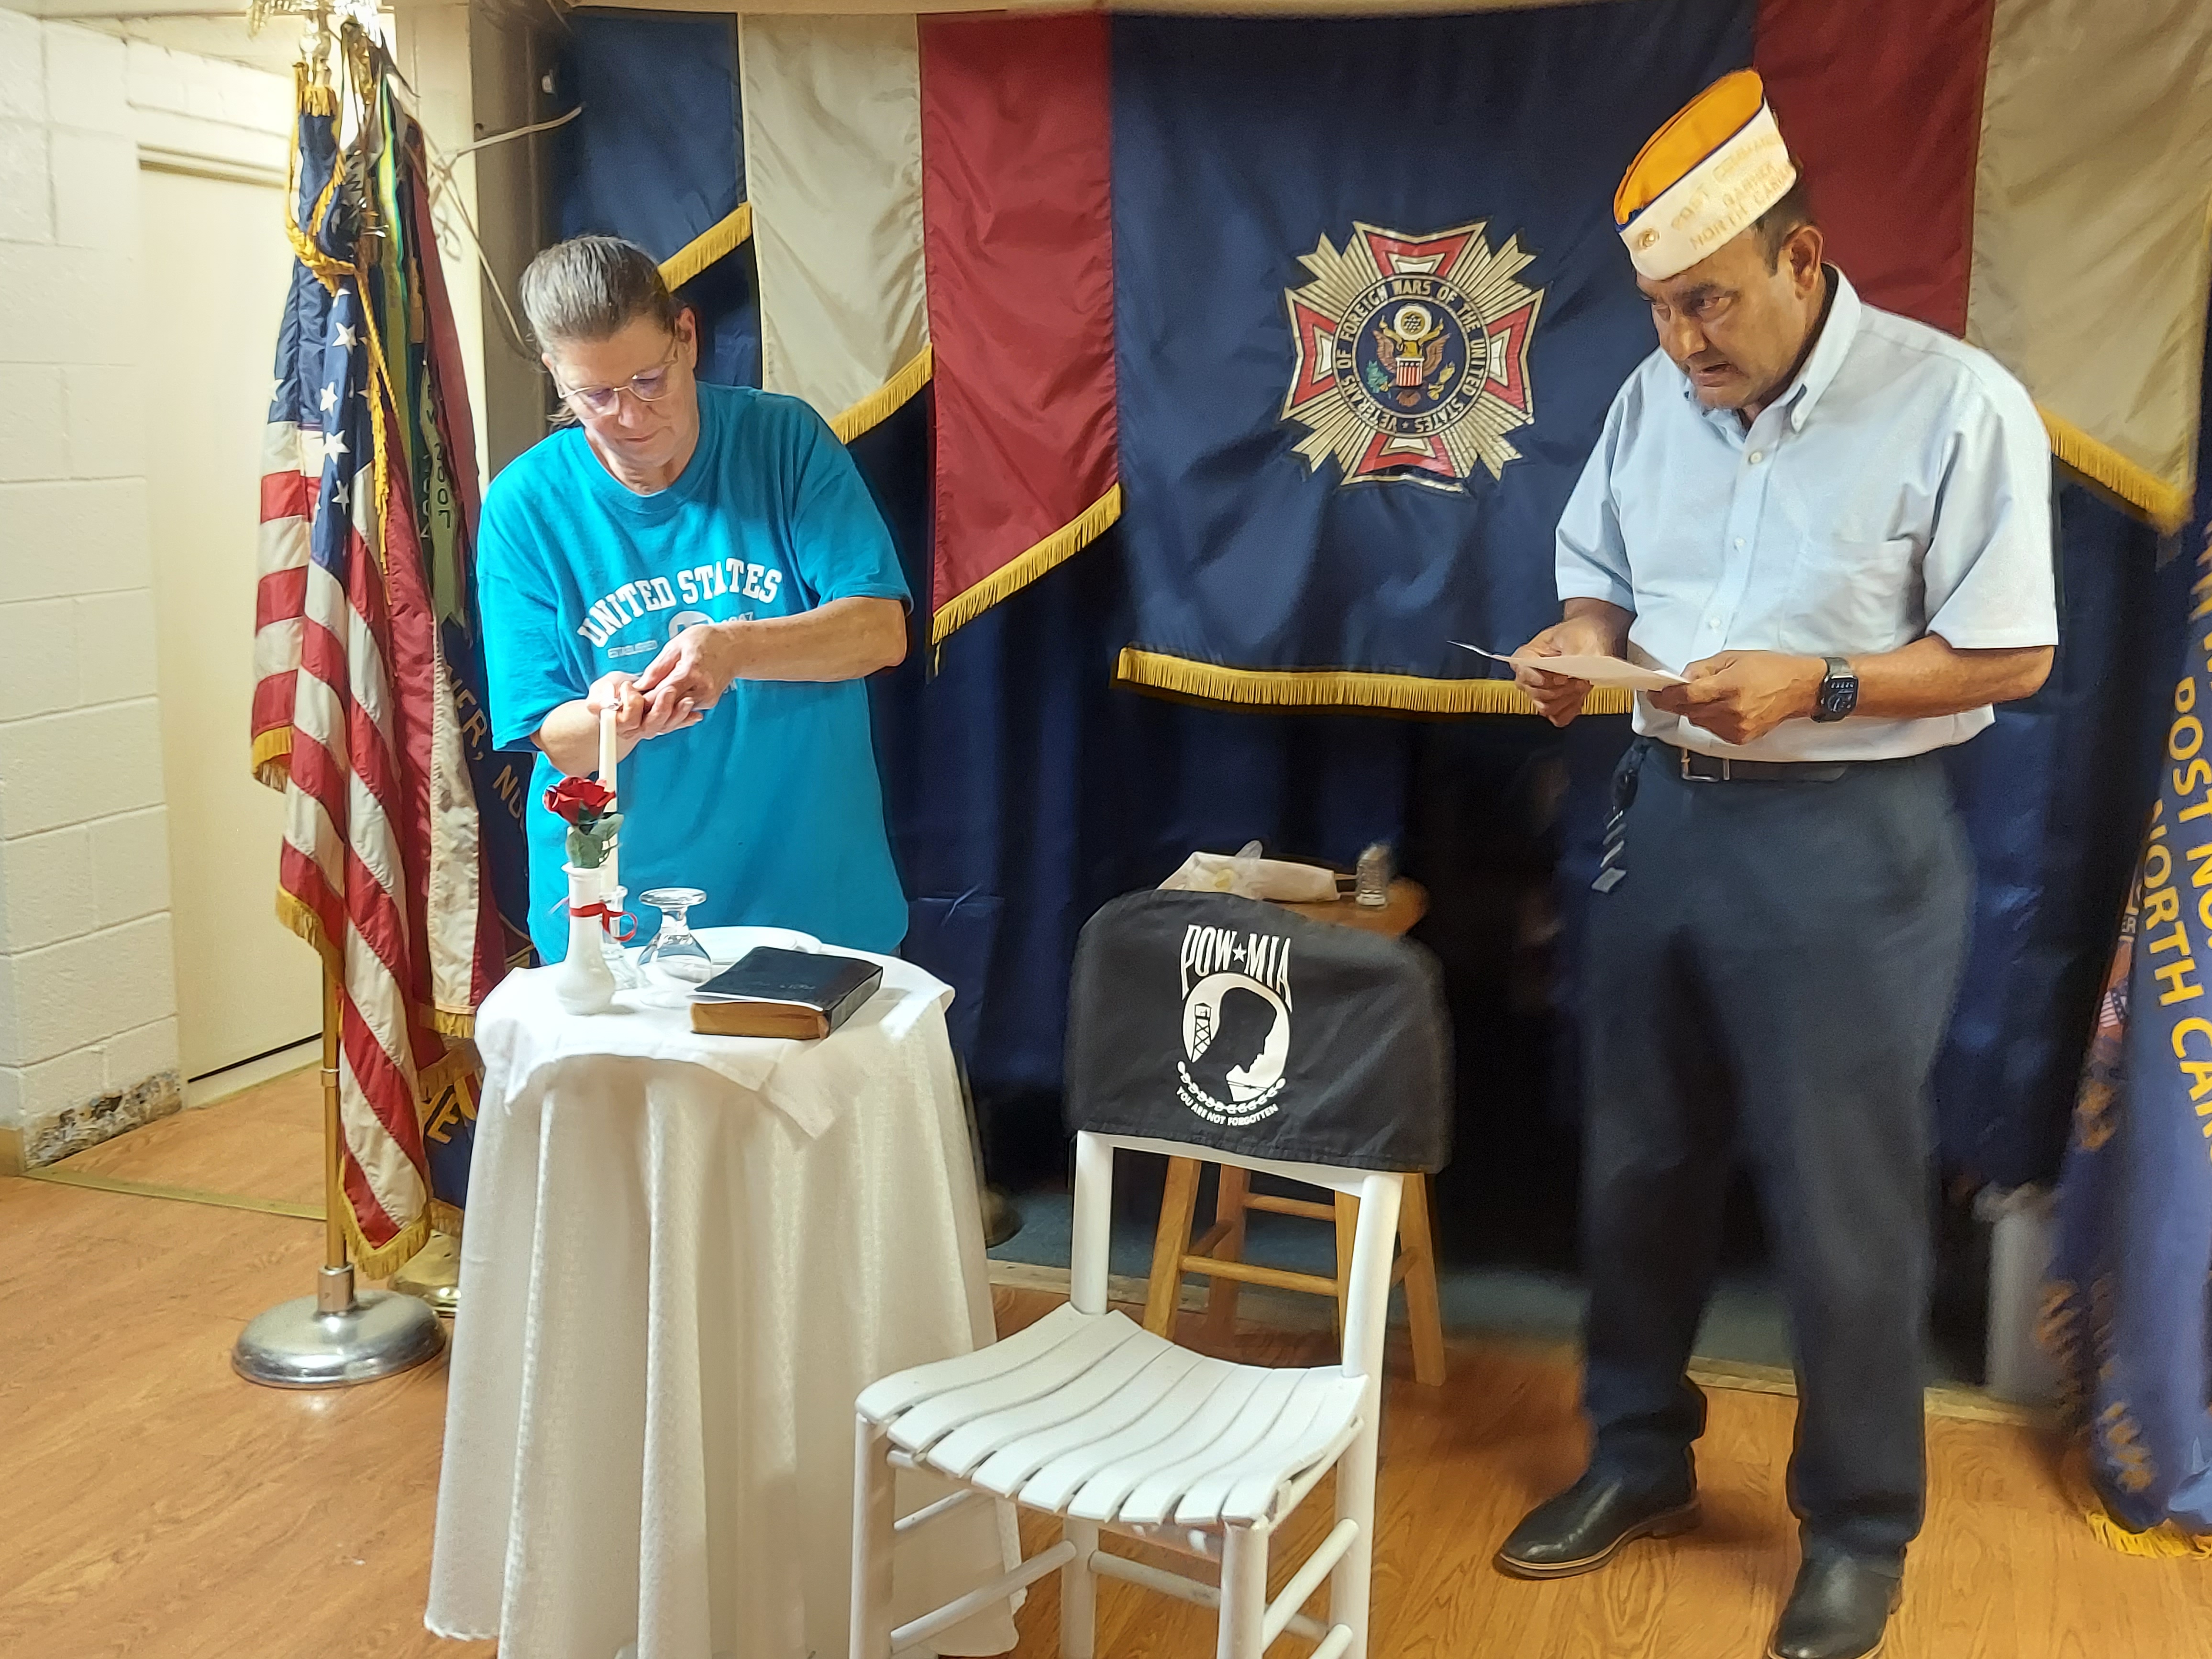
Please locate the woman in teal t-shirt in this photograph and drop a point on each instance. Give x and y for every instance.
(706, 561)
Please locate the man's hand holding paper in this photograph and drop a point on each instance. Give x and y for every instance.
(1740, 695)
(1592, 628)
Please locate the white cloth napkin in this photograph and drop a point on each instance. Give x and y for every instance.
(1249, 876)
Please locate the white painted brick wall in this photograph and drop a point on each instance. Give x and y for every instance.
(130, 867)
(50, 878)
(51, 1087)
(94, 184)
(87, 80)
(27, 197)
(106, 421)
(67, 305)
(159, 79)
(88, 993)
(34, 425)
(22, 68)
(72, 995)
(85, 763)
(39, 663)
(129, 1057)
(115, 645)
(178, 102)
(68, 537)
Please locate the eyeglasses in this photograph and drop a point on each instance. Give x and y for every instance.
(650, 387)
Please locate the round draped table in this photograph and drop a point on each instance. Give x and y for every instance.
(684, 1257)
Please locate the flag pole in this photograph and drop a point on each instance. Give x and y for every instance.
(338, 1336)
(334, 1236)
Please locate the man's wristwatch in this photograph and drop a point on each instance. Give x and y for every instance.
(1839, 691)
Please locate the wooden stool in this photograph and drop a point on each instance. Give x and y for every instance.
(1220, 1254)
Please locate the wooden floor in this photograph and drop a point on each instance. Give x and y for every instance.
(153, 1506)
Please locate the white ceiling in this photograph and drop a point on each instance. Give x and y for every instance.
(212, 28)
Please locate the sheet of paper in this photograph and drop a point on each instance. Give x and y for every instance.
(1597, 671)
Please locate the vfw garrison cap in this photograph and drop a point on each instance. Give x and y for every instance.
(1714, 167)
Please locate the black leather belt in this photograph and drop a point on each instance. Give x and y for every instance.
(1696, 767)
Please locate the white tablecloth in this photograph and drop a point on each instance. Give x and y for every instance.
(684, 1257)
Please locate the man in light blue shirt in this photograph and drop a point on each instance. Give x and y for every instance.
(1889, 504)
(1835, 524)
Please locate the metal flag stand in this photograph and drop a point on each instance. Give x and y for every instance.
(339, 1335)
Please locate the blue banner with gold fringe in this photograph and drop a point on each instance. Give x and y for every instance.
(656, 155)
(1370, 309)
(2125, 1311)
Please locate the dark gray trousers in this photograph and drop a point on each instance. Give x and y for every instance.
(1770, 981)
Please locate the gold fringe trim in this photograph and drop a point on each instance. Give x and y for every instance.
(379, 375)
(308, 926)
(1017, 574)
(314, 99)
(444, 1218)
(375, 1262)
(879, 404)
(457, 1063)
(272, 757)
(451, 1022)
(1341, 688)
(709, 245)
(2166, 1542)
(2166, 505)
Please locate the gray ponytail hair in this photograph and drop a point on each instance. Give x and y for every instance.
(590, 288)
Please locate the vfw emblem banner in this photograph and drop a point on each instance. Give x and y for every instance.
(1412, 355)
(1370, 310)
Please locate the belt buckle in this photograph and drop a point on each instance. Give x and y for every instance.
(1690, 775)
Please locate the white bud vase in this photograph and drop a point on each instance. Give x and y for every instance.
(581, 981)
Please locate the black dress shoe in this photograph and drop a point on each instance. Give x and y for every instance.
(1839, 1610)
(1579, 1530)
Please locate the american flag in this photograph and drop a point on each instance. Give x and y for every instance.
(354, 721)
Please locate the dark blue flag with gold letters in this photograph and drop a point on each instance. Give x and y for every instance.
(1370, 309)
(2125, 1312)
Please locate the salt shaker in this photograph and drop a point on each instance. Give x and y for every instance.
(1371, 884)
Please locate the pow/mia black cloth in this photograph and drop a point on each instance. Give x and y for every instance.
(1232, 1024)
(1768, 979)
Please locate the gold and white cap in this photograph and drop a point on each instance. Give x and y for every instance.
(1704, 178)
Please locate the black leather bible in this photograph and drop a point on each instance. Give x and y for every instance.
(772, 992)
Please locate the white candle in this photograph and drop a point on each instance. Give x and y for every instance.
(608, 747)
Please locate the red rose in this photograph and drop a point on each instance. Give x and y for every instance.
(578, 799)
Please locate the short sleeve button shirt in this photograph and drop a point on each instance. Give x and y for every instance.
(1901, 487)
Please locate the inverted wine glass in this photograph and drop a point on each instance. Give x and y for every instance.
(676, 952)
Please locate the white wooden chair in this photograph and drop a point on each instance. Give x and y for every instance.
(1121, 1433)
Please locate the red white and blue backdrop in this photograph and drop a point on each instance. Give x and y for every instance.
(1247, 362)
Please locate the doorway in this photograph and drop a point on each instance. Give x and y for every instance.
(215, 265)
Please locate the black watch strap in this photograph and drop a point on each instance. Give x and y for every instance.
(1839, 691)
